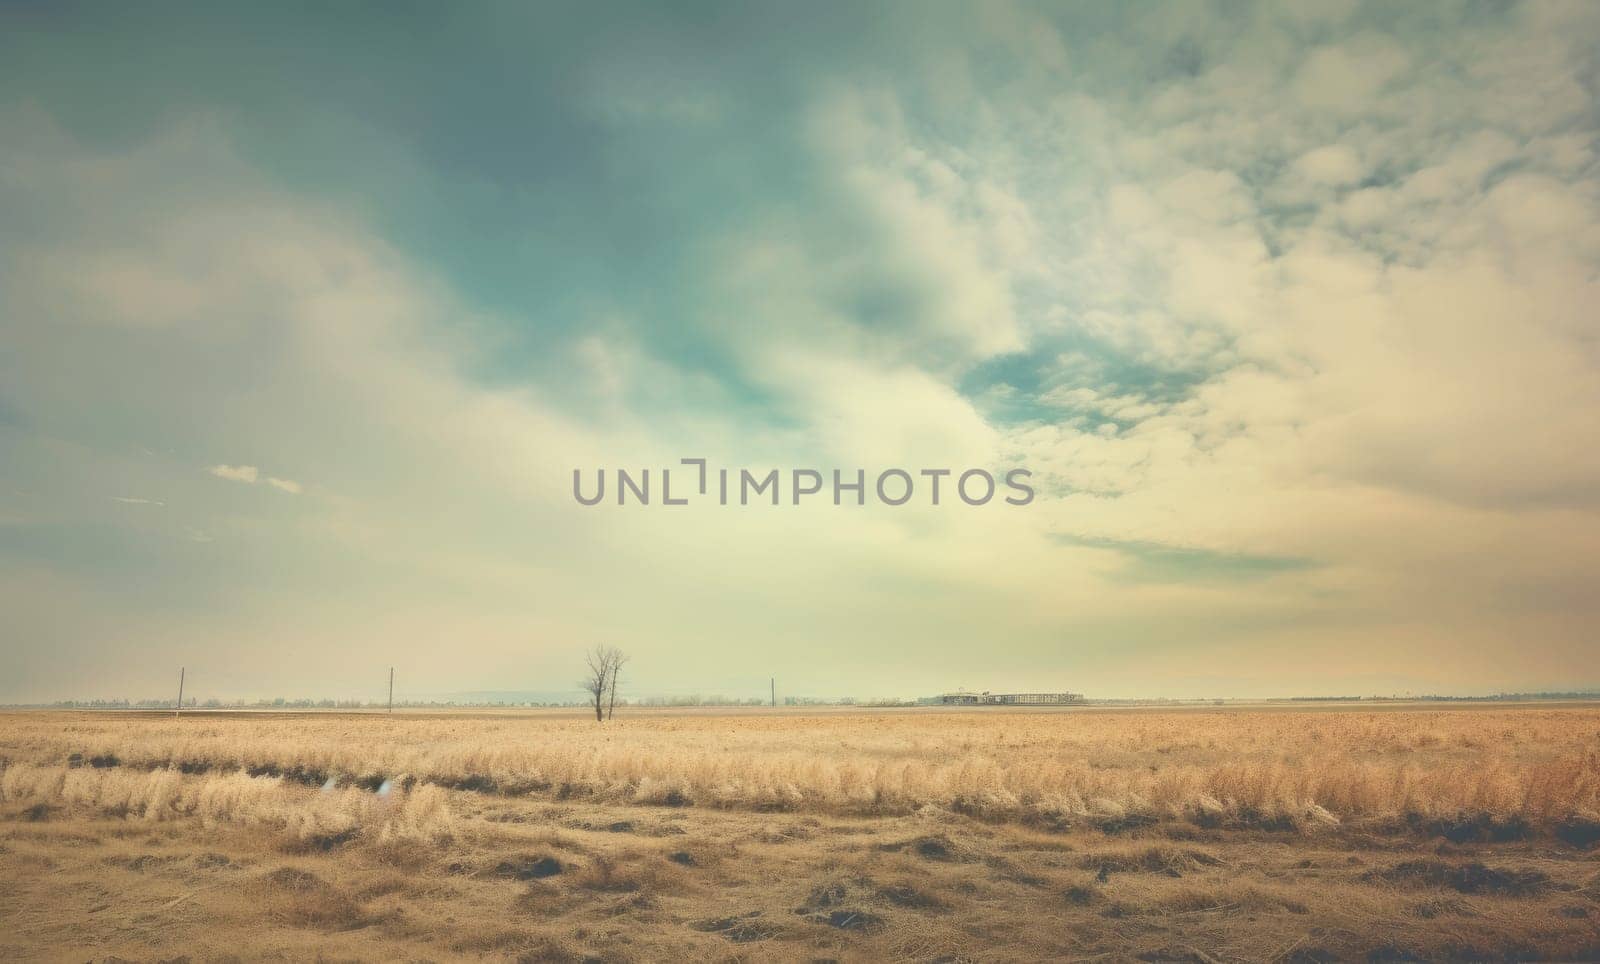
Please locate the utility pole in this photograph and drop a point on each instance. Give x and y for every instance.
(774, 691)
(391, 689)
(180, 692)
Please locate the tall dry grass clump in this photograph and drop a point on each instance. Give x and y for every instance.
(234, 798)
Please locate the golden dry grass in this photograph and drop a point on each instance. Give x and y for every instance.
(1229, 834)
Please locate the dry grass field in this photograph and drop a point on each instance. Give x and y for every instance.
(1331, 833)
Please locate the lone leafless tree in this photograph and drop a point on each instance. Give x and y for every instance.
(605, 664)
(618, 658)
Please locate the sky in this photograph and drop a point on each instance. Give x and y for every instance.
(309, 313)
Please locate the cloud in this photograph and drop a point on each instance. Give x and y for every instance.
(250, 474)
(1334, 165)
(1347, 78)
(126, 500)
(235, 473)
(1157, 562)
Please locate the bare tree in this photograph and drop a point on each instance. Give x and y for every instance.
(595, 682)
(618, 658)
(605, 664)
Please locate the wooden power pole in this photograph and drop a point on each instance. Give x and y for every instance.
(180, 692)
(774, 691)
(391, 689)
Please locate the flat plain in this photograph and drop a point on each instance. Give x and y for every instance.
(1303, 833)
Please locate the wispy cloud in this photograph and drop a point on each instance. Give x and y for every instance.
(250, 474)
(128, 500)
(235, 473)
(1145, 561)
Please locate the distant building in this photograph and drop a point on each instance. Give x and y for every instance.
(963, 698)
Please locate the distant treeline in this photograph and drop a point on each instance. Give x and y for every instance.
(1430, 697)
(282, 703)
(279, 703)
